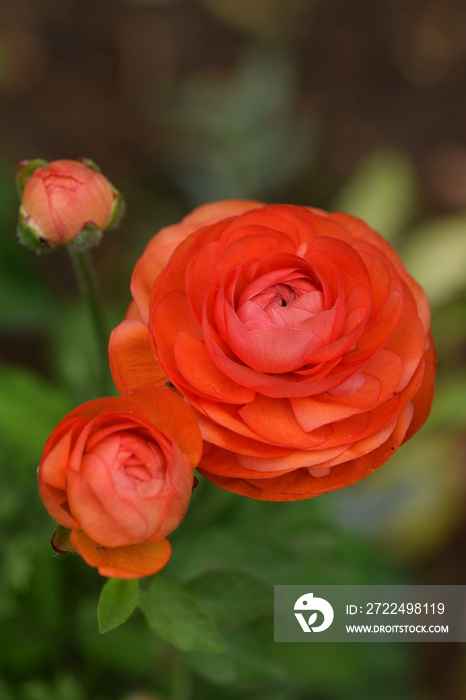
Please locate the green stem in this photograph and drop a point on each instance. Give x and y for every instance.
(181, 687)
(87, 281)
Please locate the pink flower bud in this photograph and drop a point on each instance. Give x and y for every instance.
(62, 199)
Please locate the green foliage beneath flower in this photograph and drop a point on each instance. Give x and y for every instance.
(174, 615)
(233, 598)
(209, 613)
(117, 602)
(207, 620)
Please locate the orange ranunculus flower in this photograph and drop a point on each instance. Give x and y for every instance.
(62, 198)
(118, 472)
(297, 336)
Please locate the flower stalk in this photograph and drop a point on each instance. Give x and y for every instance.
(70, 203)
(182, 679)
(87, 281)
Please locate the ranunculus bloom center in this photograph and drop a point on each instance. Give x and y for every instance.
(135, 464)
(276, 295)
(277, 318)
(280, 304)
(138, 459)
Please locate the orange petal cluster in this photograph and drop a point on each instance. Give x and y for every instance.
(298, 338)
(118, 473)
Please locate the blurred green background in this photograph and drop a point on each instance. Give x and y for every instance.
(342, 104)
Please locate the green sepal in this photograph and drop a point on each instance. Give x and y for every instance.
(29, 234)
(89, 237)
(90, 163)
(24, 170)
(60, 541)
(118, 211)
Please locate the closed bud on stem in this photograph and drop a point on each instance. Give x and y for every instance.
(64, 201)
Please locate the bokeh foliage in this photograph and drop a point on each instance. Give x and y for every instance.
(240, 127)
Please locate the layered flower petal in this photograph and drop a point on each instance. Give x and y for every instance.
(133, 561)
(298, 338)
(131, 358)
(118, 472)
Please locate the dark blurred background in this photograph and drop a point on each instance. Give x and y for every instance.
(340, 104)
(185, 101)
(127, 80)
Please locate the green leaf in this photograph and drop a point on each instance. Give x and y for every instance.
(233, 598)
(383, 191)
(173, 614)
(250, 656)
(117, 602)
(254, 652)
(267, 558)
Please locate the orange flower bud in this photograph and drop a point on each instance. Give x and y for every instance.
(117, 475)
(63, 199)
